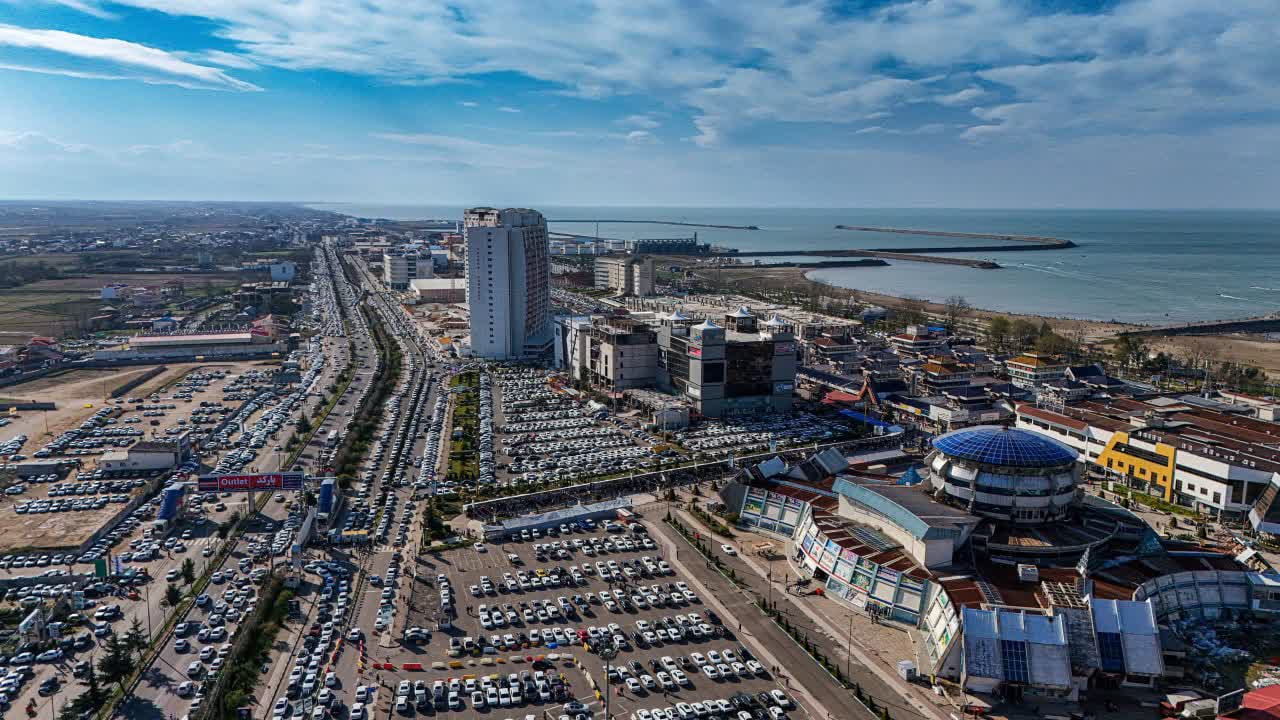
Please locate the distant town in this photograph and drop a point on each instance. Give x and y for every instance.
(262, 461)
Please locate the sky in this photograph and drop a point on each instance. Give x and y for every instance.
(792, 103)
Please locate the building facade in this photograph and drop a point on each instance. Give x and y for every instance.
(627, 275)
(725, 373)
(508, 283)
(399, 267)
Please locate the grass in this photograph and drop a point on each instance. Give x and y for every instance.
(1153, 502)
(62, 306)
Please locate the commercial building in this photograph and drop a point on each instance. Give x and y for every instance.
(1048, 603)
(146, 456)
(439, 290)
(399, 267)
(627, 275)
(508, 273)
(725, 372)
(615, 354)
(1171, 447)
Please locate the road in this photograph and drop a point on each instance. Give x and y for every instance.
(155, 696)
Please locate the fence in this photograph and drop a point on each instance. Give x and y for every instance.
(126, 387)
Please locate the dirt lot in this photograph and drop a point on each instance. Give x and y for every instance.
(1228, 348)
(71, 391)
(57, 307)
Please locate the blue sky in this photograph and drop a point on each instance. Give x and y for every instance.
(934, 103)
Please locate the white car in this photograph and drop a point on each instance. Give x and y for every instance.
(728, 549)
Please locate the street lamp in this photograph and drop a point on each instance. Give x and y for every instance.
(607, 654)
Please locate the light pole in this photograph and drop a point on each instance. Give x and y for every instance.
(607, 654)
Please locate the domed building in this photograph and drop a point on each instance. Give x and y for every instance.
(1005, 474)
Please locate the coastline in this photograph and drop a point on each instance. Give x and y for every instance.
(1241, 349)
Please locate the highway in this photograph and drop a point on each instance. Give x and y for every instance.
(157, 696)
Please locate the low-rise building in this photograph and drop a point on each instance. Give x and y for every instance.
(439, 290)
(1033, 369)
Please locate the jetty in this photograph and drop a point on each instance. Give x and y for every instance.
(882, 254)
(1031, 242)
(664, 222)
(1260, 324)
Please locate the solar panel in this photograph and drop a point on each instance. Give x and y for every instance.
(872, 539)
(1004, 446)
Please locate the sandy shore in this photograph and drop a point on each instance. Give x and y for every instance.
(1231, 348)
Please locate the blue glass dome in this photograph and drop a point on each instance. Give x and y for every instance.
(994, 445)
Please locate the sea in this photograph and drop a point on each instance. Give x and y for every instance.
(1137, 266)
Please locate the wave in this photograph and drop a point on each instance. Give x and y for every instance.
(1259, 287)
(1230, 297)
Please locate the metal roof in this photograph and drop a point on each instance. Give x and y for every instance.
(995, 445)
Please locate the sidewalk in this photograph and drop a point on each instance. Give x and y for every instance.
(865, 658)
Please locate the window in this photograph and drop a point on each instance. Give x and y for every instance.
(1217, 498)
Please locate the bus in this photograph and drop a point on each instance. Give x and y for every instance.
(332, 440)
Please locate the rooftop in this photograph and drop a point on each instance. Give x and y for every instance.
(995, 445)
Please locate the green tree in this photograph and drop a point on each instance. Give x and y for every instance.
(998, 331)
(1129, 352)
(136, 640)
(172, 596)
(304, 425)
(116, 662)
(1023, 334)
(188, 571)
(910, 312)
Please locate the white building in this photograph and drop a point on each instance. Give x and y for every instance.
(283, 271)
(508, 283)
(400, 267)
(627, 275)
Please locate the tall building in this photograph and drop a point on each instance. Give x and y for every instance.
(627, 275)
(508, 283)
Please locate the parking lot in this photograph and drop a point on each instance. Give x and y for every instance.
(63, 508)
(524, 621)
(545, 434)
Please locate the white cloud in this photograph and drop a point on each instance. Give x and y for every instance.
(963, 97)
(642, 121)
(1149, 64)
(467, 103)
(473, 152)
(508, 109)
(642, 137)
(123, 60)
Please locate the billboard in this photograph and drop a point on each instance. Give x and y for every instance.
(247, 483)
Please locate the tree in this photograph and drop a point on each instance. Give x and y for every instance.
(136, 640)
(1023, 334)
(172, 596)
(188, 571)
(955, 309)
(304, 424)
(1053, 344)
(117, 662)
(910, 311)
(1129, 351)
(998, 331)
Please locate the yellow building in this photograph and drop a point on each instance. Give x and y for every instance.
(1150, 468)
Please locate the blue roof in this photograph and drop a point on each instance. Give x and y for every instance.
(994, 445)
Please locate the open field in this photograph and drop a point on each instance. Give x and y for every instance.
(72, 391)
(57, 307)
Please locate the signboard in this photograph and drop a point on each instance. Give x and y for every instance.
(784, 348)
(248, 483)
(695, 351)
(783, 387)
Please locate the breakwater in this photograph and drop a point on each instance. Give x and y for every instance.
(1038, 241)
(663, 222)
(881, 254)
